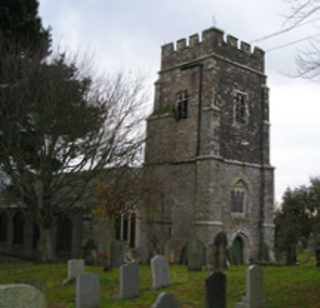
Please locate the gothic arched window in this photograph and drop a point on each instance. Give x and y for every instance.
(125, 228)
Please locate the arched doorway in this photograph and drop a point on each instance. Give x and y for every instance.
(237, 250)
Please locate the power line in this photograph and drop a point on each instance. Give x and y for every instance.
(268, 36)
(292, 43)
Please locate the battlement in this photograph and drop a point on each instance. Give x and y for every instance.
(213, 42)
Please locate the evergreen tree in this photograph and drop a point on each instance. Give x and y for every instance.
(20, 25)
(58, 128)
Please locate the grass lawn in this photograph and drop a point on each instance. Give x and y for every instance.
(297, 286)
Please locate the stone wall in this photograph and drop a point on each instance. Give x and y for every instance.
(209, 150)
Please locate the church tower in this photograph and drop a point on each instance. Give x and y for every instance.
(207, 151)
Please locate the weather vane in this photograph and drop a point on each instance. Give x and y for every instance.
(214, 21)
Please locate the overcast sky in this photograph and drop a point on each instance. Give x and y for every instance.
(128, 34)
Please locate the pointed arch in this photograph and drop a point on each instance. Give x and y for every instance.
(240, 247)
(239, 197)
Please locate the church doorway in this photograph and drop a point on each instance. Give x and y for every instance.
(237, 250)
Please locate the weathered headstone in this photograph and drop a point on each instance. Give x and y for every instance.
(129, 281)
(216, 289)
(117, 254)
(21, 296)
(75, 268)
(166, 300)
(220, 252)
(88, 288)
(254, 289)
(160, 272)
(195, 253)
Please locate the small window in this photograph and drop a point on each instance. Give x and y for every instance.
(241, 108)
(182, 105)
(238, 198)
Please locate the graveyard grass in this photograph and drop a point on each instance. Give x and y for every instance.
(296, 286)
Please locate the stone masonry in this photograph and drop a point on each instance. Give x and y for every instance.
(208, 146)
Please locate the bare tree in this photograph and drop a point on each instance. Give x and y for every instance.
(59, 128)
(308, 60)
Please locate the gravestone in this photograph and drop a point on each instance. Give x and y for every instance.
(220, 252)
(216, 289)
(75, 268)
(129, 281)
(117, 254)
(166, 300)
(195, 253)
(160, 272)
(21, 296)
(88, 252)
(254, 289)
(87, 292)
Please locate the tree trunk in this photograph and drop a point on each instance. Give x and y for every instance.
(45, 245)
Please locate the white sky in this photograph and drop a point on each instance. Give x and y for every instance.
(127, 35)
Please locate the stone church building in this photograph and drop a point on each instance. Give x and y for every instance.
(208, 142)
(206, 161)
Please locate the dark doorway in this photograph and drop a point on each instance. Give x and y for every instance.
(237, 250)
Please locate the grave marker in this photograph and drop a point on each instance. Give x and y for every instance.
(87, 293)
(216, 287)
(129, 281)
(75, 268)
(166, 300)
(195, 253)
(254, 289)
(160, 272)
(22, 296)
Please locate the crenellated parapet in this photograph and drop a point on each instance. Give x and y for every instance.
(213, 43)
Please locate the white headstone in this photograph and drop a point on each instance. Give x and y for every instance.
(21, 296)
(160, 272)
(75, 268)
(129, 281)
(254, 289)
(88, 291)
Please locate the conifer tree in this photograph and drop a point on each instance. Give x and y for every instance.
(21, 25)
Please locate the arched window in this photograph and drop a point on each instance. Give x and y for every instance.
(64, 234)
(125, 228)
(238, 198)
(3, 227)
(18, 228)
